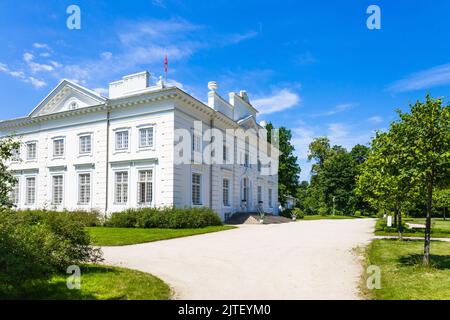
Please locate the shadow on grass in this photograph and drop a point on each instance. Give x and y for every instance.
(441, 262)
(56, 288)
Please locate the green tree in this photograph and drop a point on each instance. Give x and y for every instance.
(288, 168)
(426, 130)
(7, 146)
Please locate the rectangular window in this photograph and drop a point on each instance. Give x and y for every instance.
(146, 137)
(270, 198)
(14, 195)
(259, 194)
(225, 153)
(245, 189)
(57, 190)
(197, 142)
(196, 189)
(122, 140)
(145, 187)
(85, 144)
(226, 192)
(30, 191)
(15, 154)
(247, 160)
(121, 187)
(58, 147)
(31, 151)
(84, 188)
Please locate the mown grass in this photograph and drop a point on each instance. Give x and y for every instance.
(104, 236)
(440, 228)
(330, 217)
(97, 283)
(402, 275)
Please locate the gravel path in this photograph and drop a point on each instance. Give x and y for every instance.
(301, 260)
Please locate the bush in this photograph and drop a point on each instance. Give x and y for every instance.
(35, 245)
(173, 218)
(85, 218)
(323, 211)
(298, 213)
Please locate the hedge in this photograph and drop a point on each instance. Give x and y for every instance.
(34, 245)
(170, 217)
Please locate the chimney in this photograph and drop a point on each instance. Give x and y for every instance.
(243, 94)
(129, 84)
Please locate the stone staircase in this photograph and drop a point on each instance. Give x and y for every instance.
(253, 218)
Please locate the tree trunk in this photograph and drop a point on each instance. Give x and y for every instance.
(426, 256)
(445, 209)
(395, 219)
(399, 226)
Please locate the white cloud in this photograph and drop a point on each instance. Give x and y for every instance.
(436, 76)
(36, 82)
(106, 55)
(278, 101)
(375, 119)
(3, 67)
(306, 59)
(337, 109)
(45, 54)
(38, 45)
(28, 57)
(159, 3)
(102, 91)
(38, 67)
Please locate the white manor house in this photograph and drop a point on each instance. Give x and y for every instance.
(80, 150)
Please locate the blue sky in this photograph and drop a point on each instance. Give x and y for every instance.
(312, 66)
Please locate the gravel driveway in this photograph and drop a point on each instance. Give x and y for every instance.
(301, 260)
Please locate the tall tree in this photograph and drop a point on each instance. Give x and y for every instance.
(288, 169)
(427, 144)
(7, 146)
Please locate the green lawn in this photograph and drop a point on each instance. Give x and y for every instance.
(102, 236)
(319, 217)
(403, 277)
(440, 228)
(100, 283)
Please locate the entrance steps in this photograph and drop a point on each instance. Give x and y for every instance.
(253, 218)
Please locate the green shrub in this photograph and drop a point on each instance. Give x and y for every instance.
(298, 213)
(173, 218)
(287, 213)
(85, 218)
(323, 211)
(33, 246)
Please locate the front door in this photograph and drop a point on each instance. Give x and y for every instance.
(245, 195)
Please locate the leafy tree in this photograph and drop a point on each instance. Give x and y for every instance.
(426, 131)
(288, 169)
(7, 146)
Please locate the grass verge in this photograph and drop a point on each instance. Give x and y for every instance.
(402, 275)
(319, 217)
(103, 236)
(98, 283)
(439, 228)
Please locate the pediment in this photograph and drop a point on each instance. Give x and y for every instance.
(248, 123)
(67, 96)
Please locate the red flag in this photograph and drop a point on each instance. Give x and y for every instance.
(166, 64)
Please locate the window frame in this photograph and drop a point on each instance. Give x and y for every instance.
(27, 144)
(54, 140)
(27, 202)
(122, 183)
(53, 189)
(146, 127)
(15, 192)
(79, 199)
(121, 131)
(228, 189)
(151, 181)
(200, 187)
(80, 137)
